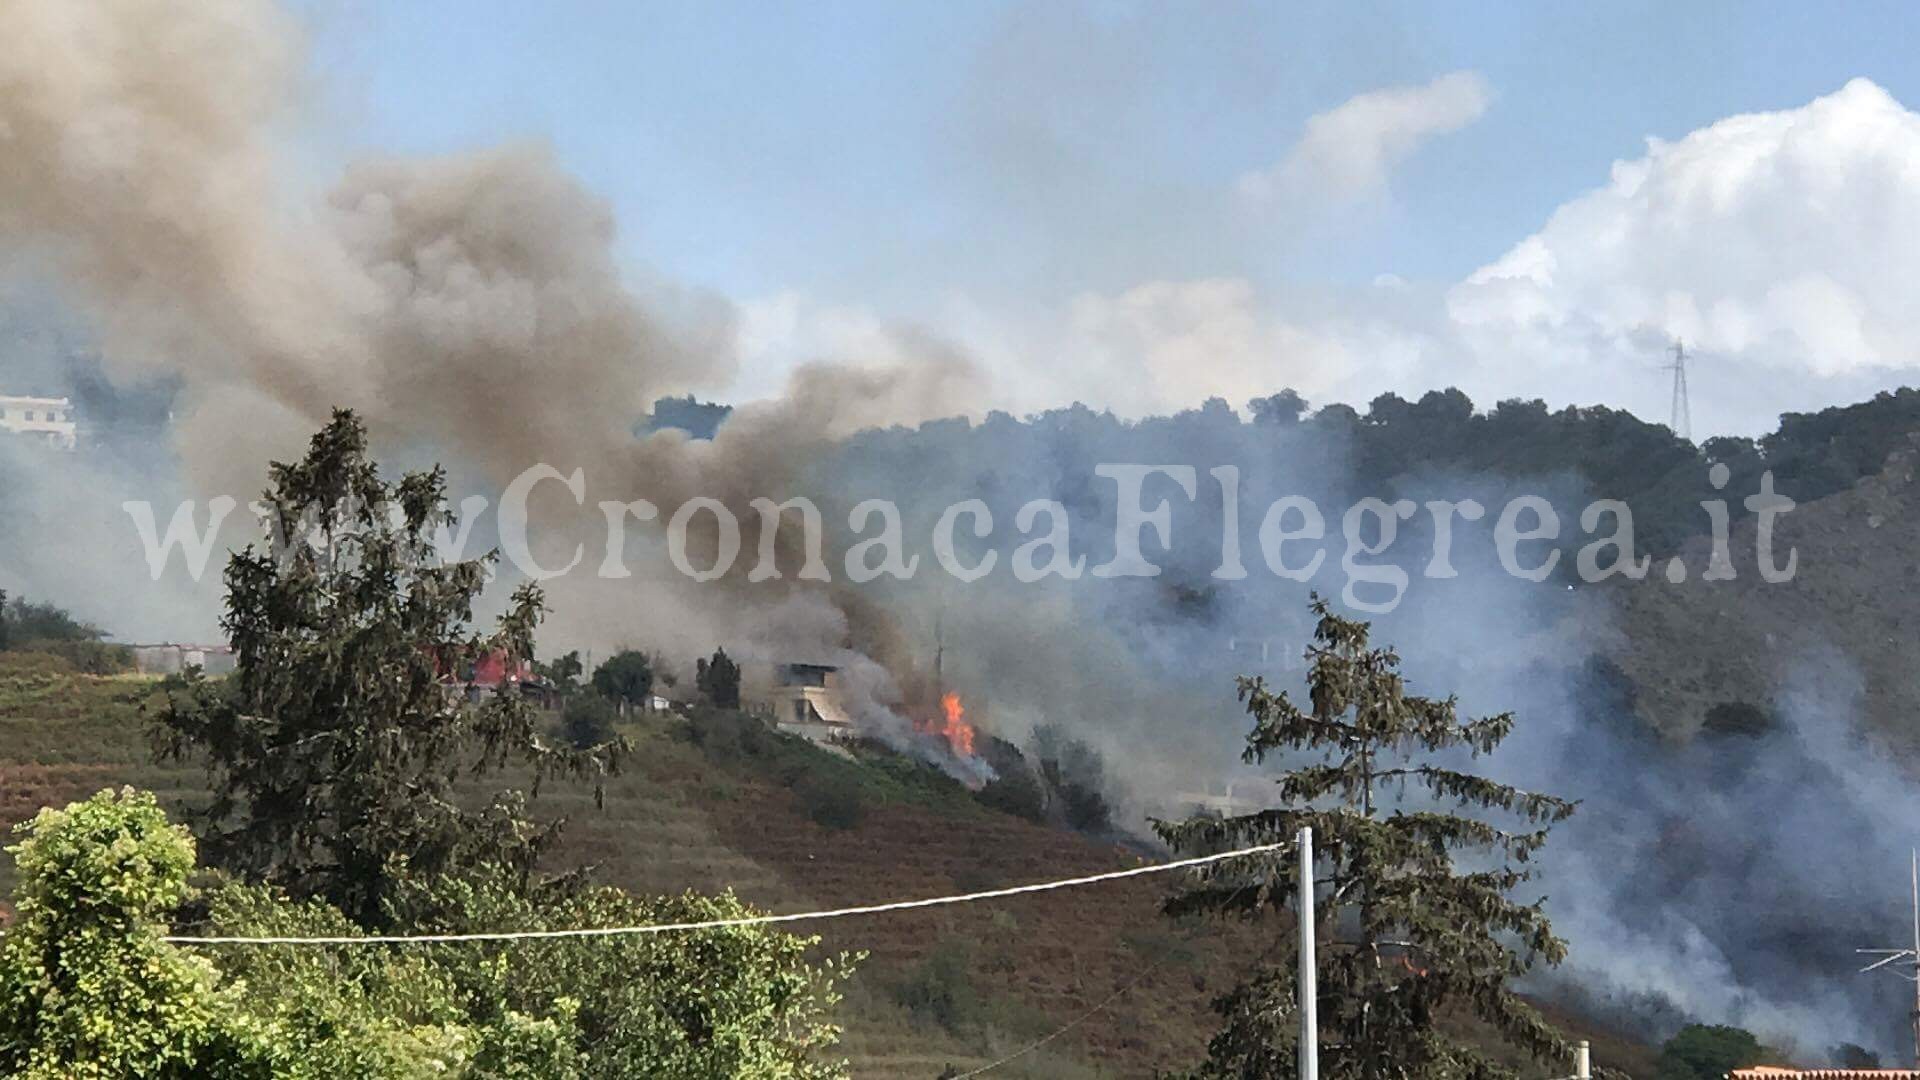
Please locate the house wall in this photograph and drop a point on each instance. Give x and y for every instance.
(49, 419)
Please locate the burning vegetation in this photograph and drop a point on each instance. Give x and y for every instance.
(950, 725)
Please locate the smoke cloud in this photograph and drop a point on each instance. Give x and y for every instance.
(472, 309)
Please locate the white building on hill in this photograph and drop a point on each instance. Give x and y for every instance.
(802, 699)
(49, 419)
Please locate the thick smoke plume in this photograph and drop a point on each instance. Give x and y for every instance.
(470, 306)
(472, 309)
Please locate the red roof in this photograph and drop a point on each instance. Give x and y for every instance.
(1782, 1073)
(490, 669)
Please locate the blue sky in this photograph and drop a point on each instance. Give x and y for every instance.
(752, 147)
(1059, 191)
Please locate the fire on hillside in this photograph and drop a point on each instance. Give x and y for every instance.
(951, 724)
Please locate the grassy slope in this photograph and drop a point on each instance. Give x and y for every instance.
(706, 811)
(1852, 607)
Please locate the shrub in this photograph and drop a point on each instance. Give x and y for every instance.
(940, 989)
(1738, 718)
(85, 657)
(836, 806)
(1707, 1052)
(587, 721)
(86, 984)
(89, 991)
(1016, 793)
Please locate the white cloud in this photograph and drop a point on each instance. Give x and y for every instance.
(1347, 152)
(1787, 239)
(1782, 247)
(1171, 344)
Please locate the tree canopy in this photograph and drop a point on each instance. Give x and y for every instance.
(1408, 939)
(1708, 1052)
(335, 746)
(718, 680)
(89, 990)
(626, 677)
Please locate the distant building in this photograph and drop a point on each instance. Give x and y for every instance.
(700, 419)
(45, 418)
(1778, 1072)
(804, 699)
(490, 672)
(173, 659)
(1219, 798)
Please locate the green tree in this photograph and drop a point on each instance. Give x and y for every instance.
(1707, 1052)
(35, 625)
(625, 677)
(1076, 775)
(87, 988)
(1407, 937)
(1848, 1055)
(587, 721)
(90, 990)
(718, 680)
(562, 672)
(736, 1001)
(6, 637)
(335, 745)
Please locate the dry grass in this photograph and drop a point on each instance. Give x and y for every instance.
(688, 815)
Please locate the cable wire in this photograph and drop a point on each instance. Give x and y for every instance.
(748, 920)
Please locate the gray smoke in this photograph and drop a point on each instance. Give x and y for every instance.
(472, 309)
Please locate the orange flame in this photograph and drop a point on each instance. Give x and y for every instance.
(959, 733)
(952, 725)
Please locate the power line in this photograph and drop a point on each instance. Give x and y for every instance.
(1043, 1040)
(748, 920)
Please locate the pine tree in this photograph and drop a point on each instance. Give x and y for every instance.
(1409, 944)
(718, 680)
(336, 744)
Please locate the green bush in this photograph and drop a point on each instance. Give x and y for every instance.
(85, 657)
(836, 806)
(1708, 1052)
(1016, 793)
(89, 991)
(587, 721)
(940, 989)
(87, 988)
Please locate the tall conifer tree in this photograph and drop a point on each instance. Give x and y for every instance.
(1410, 945)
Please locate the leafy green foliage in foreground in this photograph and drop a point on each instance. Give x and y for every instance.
(89, 991)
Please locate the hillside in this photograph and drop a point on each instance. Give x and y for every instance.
(722, 804)
(1850, 611)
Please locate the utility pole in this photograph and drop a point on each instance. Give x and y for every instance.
(1309, 989)
(1910, 955)
(1682, 422)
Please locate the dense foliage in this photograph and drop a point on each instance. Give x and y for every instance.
(27, 626)
(718, 680)
(626, 677)
(1407, 938)
(1708, 1052)
(88, 988)
(335, 745)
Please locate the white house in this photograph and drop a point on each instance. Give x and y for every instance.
(803, 699)
(49, 419)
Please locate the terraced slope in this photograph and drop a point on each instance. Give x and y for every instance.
(702, 807)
